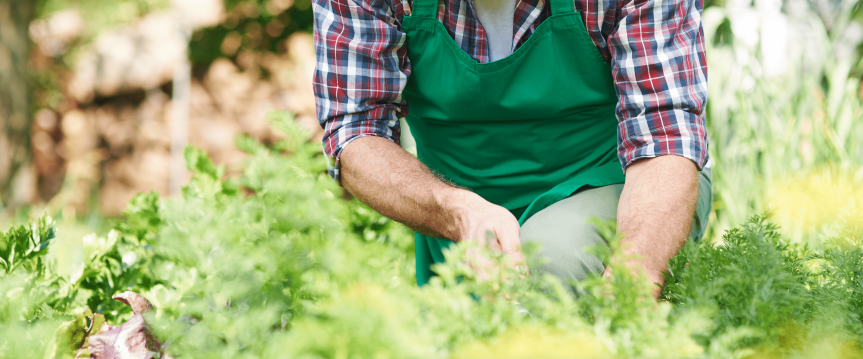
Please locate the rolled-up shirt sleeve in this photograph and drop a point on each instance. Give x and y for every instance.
(360, 72)
(660, 72)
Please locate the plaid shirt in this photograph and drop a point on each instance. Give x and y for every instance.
(655, 48)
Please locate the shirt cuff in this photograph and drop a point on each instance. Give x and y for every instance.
(686, 138)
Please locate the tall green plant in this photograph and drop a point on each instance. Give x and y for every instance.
(779, 112)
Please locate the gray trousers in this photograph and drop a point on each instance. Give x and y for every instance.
(563, 231)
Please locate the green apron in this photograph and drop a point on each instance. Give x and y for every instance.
(523, 132)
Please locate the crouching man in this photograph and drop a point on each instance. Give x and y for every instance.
(529, 116)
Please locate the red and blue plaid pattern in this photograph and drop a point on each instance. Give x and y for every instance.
(655, 48)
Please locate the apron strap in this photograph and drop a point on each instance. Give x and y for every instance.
(425, 8)
(560, 7)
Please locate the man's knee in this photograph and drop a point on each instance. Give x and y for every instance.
(565, 247)
(565, 235)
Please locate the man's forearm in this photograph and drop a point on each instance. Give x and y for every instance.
(396, 184)
(655, 211)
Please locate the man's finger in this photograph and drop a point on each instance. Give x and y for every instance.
(492, 241)
(511, 245)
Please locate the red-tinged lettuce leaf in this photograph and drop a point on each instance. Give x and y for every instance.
(131, 340)
(98, 325)
(90, 336)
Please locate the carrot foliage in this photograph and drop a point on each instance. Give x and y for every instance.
(276, 263)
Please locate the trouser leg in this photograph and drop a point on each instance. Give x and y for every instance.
(704, 204)
(564, 233)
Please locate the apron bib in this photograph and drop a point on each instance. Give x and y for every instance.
(524, 131)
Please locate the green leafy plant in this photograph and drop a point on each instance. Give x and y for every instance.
(25, 245)
(277, 263)
(755, 279)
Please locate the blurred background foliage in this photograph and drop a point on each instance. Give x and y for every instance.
(262, 26)
(784, 113)
(100, 15)
(99, 94)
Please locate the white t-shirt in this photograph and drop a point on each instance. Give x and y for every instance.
(497, 17)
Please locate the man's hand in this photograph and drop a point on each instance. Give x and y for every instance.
(396, 184)
(478, 219)
(655, 212)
